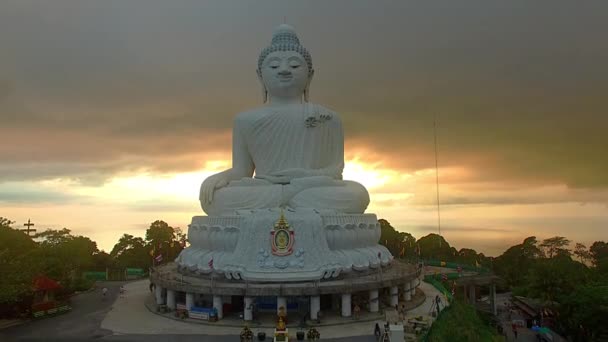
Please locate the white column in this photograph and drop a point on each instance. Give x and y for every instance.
(281, 301)
(189, 300)
(493, 297)
(394, 296)
(159, 295)
(413, 284)
(219, 306)
(407, 295)
(346, 309)
(248, 304)
(374, 301)
(315, 306)
(171, 299)
(472, 294)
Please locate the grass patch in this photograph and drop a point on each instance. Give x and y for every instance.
(461, 322)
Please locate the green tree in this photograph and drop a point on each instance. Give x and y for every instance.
(599, 255)
(16, 266)
(555, 245)
(53, 237)
(434, 246)
(400, 244)
(513, 265)
(101, 261)
(467, 256)
(580, 250)
(160, 233)
(131, 251)
(64, 256)
(585, 307)
(4, 222)
(551, 279)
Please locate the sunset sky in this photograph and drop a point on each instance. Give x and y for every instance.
(113, 112)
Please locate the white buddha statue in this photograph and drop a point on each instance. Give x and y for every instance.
(288, 153)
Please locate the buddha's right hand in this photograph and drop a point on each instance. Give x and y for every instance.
(211, 183)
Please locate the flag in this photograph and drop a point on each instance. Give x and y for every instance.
(210, 264)
(159, 258)
(183, 243)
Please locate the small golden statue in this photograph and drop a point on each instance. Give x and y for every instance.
(282, 315)
(281, 324)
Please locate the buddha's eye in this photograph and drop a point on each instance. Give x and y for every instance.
(295, 66)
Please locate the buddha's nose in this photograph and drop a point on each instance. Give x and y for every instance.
(284, 73)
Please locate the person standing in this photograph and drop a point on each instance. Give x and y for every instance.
(104, 292)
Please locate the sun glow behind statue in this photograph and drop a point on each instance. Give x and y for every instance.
(185, 186)
(370, 177)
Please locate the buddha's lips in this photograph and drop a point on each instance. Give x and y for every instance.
(285, 78)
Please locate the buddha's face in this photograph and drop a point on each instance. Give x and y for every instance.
(285, 74)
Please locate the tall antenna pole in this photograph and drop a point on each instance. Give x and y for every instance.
(437, 180)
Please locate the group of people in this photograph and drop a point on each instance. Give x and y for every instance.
(104, 292)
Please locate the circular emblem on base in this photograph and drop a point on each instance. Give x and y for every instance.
(282, 238)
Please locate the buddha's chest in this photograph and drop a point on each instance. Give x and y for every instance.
(288, 136)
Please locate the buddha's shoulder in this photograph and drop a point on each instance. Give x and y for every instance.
(255, 114)
(320, 110)
(324, 110)
(251, 114)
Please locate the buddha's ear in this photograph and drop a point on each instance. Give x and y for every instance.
(264, 90)
(307, 88)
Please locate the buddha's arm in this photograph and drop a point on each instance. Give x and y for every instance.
(242, 166)
(336, 154)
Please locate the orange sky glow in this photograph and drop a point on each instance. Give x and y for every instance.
(113, 112)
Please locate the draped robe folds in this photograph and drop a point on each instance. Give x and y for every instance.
(272, 140)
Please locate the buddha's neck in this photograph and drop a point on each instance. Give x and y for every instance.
(282, 101)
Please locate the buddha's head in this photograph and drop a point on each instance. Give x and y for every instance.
(285, 67)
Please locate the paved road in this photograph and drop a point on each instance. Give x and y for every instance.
(90, 309)
(203, 338)
(83, 321)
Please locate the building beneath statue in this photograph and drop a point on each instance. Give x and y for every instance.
(284, 231)
(309, 299)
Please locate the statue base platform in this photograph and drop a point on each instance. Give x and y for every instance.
(315, 245)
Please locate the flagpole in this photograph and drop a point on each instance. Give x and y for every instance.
(437, 179)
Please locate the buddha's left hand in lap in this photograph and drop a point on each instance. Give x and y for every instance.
(288, 175)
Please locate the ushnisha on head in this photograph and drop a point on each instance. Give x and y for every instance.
(285, 67)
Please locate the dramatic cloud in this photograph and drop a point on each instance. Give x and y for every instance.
(95, 91)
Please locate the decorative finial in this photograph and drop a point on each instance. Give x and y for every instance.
(282, 222)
